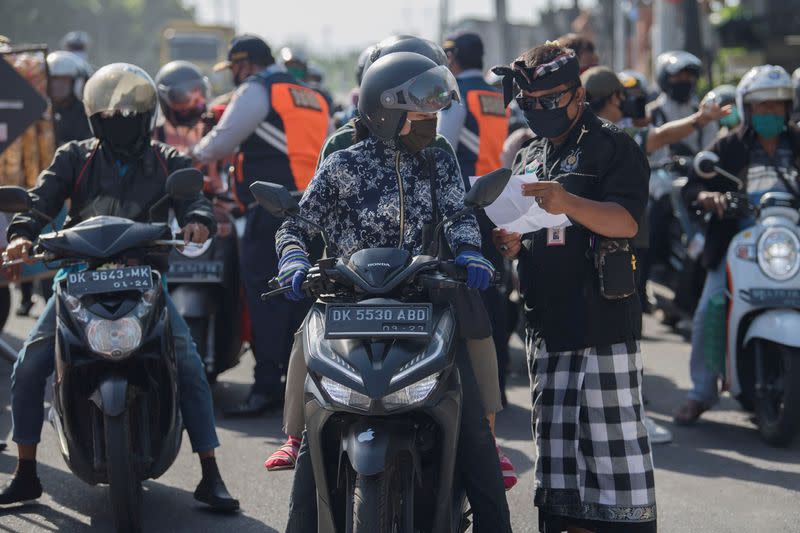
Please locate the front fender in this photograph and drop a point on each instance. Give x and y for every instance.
(111, 395)
(371, 445)
(781, 326)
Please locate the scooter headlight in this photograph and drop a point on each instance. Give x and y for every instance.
(114, 338)
(344, 395)
(414, 393)
(778, 255)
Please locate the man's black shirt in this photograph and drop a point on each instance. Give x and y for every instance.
(558, 279)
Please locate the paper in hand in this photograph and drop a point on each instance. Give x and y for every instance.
(516, 213)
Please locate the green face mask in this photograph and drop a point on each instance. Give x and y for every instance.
(297, 72)
(732, 120)
(769, 125)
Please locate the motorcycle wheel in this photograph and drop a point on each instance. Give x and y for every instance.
(5, 305)
(384, 503)
(124, 486)
(778, 407)
(198, 327)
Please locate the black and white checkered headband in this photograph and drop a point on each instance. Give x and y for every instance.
(563, 69)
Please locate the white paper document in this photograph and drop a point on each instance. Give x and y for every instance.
(520, 214)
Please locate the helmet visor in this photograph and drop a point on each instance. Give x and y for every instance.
(429, 92)
(190, 93)
(768, 94)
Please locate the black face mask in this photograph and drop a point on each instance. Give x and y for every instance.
(634, 107)
(422, 134)
(548, 123)
(126, 137)
(680, 91)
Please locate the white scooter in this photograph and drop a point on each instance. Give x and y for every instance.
(762, 363)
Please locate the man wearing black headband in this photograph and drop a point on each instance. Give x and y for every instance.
(594, 468)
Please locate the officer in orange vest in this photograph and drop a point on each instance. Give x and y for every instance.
(476, 127)
(279, 125)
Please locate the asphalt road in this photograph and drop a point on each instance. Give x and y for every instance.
(716, 477)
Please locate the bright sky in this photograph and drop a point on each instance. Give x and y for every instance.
(348, 24)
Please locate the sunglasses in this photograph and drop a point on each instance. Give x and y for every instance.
(548, 101)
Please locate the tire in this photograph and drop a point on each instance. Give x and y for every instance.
(5, 305)
(384, 503)
(198, 327)
(124, 486)
(778, 411)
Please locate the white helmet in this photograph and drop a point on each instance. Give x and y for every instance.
(69, 65)
(761, 84)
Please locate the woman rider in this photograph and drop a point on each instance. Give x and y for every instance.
(377, 194)
(481, 351)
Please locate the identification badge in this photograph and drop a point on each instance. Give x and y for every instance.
(556, 236)
(532, 167)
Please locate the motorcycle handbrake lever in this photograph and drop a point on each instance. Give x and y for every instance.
(283, 290)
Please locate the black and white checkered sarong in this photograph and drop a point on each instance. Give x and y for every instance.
(593, 455)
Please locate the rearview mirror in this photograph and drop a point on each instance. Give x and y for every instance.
(704, 163)
(276, 199)
(184, 184)
(14, 199)
(487, 188)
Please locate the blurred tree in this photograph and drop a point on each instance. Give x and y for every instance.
(121, 30)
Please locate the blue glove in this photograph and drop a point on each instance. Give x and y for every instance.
(479, 269)
(292, 270)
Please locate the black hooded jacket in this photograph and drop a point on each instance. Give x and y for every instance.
(734, 156)
(88, 174)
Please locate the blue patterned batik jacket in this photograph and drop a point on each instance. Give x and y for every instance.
(376, 195)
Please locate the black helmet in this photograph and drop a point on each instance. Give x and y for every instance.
(399, 83)
(671, 63)
(361, 63)
(407, 43)
(120, 101)
(182, 92)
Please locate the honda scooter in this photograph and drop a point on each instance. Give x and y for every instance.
(762, 355)
(383, 392)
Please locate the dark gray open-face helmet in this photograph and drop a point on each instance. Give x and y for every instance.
(401, 82)
(183, 92)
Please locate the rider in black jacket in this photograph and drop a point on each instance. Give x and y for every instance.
(120, 173)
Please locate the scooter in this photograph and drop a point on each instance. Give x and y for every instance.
(762, 356)
(115, 405)
(205, 288)
(383, 395)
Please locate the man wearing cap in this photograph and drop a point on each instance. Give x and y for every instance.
(279, 125)
(607, 98)
(476, 128)
(594, 468)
